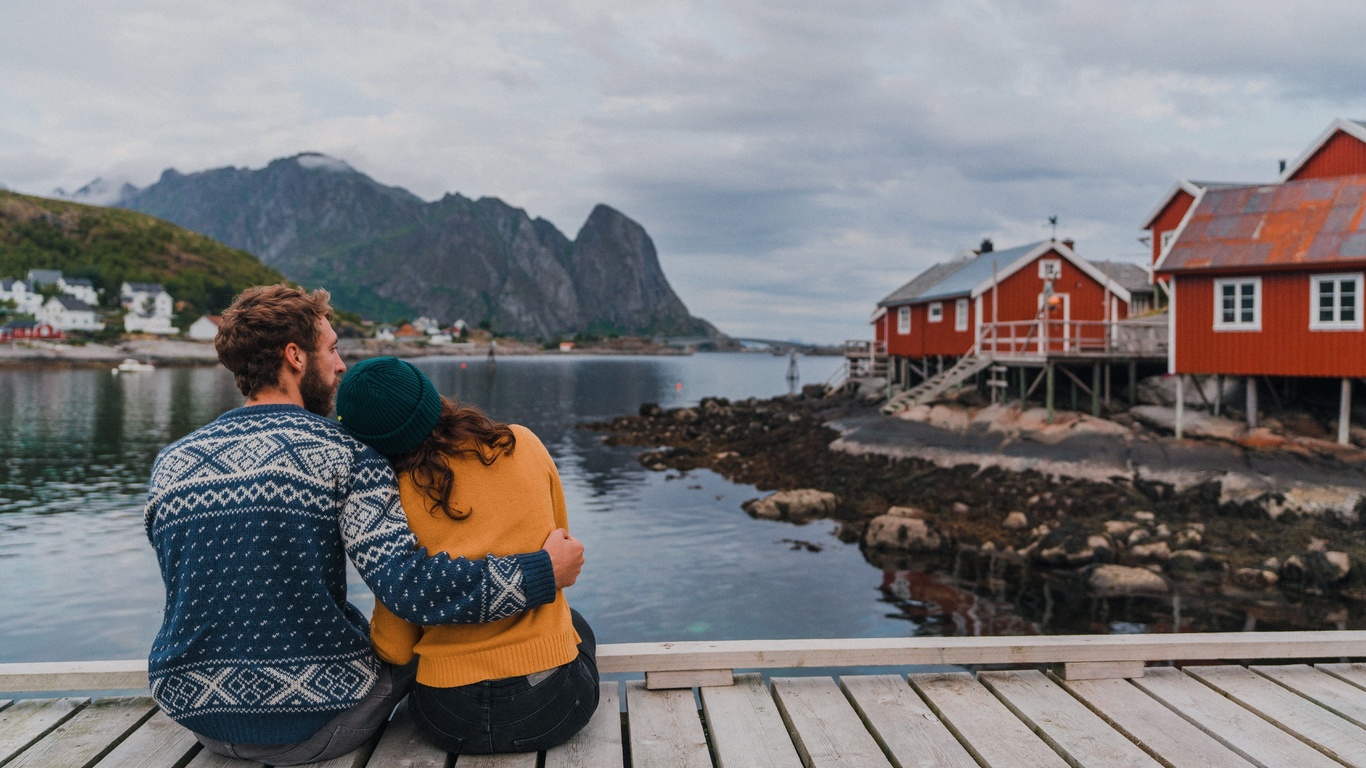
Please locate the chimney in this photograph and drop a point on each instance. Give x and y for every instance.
(1070, 243)
(1282, 166)
(987, 246)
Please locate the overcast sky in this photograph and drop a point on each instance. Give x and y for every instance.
(794, 161)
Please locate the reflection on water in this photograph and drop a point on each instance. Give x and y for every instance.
(670, 556)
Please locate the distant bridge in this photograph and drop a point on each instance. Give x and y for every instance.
(778, 345)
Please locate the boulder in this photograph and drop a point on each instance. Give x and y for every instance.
(797, 506)
(903, 533)
(1191, 560)
(1068, 547)
(686, 415)
(959, 508)
(1120, 528)
(650, 410)
(1120, 580)
(1015, 521)
(1255, 578)
(1188, 539)
(1155, 551)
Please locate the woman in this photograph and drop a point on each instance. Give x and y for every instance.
(471, 486)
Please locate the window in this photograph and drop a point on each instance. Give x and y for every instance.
(1335, 302)
(1050, 269)
(1238, 304)
(960, 315)
(1167, 238)
(903, 320)
(937, 312)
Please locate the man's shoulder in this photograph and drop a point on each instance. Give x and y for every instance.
(251, 434)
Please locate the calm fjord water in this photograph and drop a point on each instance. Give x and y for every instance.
(670, 557)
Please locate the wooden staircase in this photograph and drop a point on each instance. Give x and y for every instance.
(967, 365)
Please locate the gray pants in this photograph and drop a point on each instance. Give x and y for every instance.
(344, 733)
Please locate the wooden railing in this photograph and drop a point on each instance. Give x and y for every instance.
(686, 664)
(1078, 338)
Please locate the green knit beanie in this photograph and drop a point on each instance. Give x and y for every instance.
(388, 404)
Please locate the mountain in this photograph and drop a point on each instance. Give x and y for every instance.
(388, 254)
(111, 246)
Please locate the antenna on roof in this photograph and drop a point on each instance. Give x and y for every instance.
(1053, 221)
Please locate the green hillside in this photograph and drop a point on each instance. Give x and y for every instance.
(110, 246)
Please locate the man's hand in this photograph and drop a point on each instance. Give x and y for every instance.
(566, 557)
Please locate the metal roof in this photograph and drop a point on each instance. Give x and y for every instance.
(977, 271)
(925, 281)
(1310, 222)
(1130, 276)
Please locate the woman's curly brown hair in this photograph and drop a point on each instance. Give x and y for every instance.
(461, 429)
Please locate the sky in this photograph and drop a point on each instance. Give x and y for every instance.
(794, 161)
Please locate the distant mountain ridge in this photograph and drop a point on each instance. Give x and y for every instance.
(386, 253)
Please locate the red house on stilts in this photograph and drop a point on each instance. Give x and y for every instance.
(1266, 281)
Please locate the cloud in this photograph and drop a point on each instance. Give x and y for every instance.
(794, 162)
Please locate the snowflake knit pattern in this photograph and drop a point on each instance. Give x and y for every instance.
(252, 518)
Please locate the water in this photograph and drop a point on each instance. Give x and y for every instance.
(670, 556)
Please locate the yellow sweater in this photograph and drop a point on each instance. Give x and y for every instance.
(514, 504)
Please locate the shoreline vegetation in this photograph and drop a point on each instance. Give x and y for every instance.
(1241, 528)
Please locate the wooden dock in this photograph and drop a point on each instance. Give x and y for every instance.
(1270, 699)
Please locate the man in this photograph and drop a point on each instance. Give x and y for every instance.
(252, 517)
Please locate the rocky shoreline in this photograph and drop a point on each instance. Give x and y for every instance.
(1115, 508)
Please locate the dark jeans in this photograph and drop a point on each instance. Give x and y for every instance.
(515, 714)
(344, 733)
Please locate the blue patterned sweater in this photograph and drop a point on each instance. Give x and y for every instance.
(252, 517)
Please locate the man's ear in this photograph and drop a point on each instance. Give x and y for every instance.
(295, 359)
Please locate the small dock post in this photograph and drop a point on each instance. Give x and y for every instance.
(1345, 413)
(1048, 390)
(1252, 402)
(1133, 383)
(1180, 403)
(1095, 390)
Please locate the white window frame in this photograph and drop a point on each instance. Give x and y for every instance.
(936, 312)
(960, 315)
(1337, 324)
(903, 320)
(1238, 325)
(1050, 269)
(1167, 238)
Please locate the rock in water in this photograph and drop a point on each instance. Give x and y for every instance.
(1120, 580)
(797, 506)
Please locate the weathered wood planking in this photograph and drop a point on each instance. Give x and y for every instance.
(74, 676)
(1152, 724)
(1354, 673)
(824, 726)
(745, 726)
(516, 760)
(1311, 723)
(401, 746)
(983, 724)
(1320, 687)
(156, 743)
(87, 735)
(1253, 738)
(665, 728)
(1077, 733)
(903, 724)
(207, 759)
(599, 744)
(25, 722)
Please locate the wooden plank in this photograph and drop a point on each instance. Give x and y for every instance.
(1075, 732)
(983, 724)
(207, 759)
(74, 676)
(746, 727)
(1030, 650)
(402, 746)
(693, 678)
(904, 724)
(1351, 673)
(1339, 696)
(665, 728)
(26, 721)
(1101, 670)
(1309, 722)
(1152, 724)
(88, 735)
(1242, 731)
(824, 726)
(599, 744)
(158, 742)
(509, 760)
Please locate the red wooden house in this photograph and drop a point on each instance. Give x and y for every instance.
(1267, 280)
(992, 302)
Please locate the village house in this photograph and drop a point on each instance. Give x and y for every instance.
(24, 300)
(29, 329)
(80, 287)
(384, 333)
(205, 328)
(37, 278)
(1266, 280)
(68, 313)
(149, 308)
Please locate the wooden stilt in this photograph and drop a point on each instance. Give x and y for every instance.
(1072, 382)
(1024, 391)
(1180, 403)
(1345, 413)
(1095, 390)
(1218, 393)
(1048, 391)
(1252, 402)
(1133, 383)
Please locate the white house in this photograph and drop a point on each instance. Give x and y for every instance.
(384, 333)
(68, 313)
(17, 291)
(149, 308)
(37, 278)
(79, 287)
(205, 328)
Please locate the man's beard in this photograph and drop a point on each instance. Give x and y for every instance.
(317, 394)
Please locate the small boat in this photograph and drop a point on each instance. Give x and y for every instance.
(130, 365)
